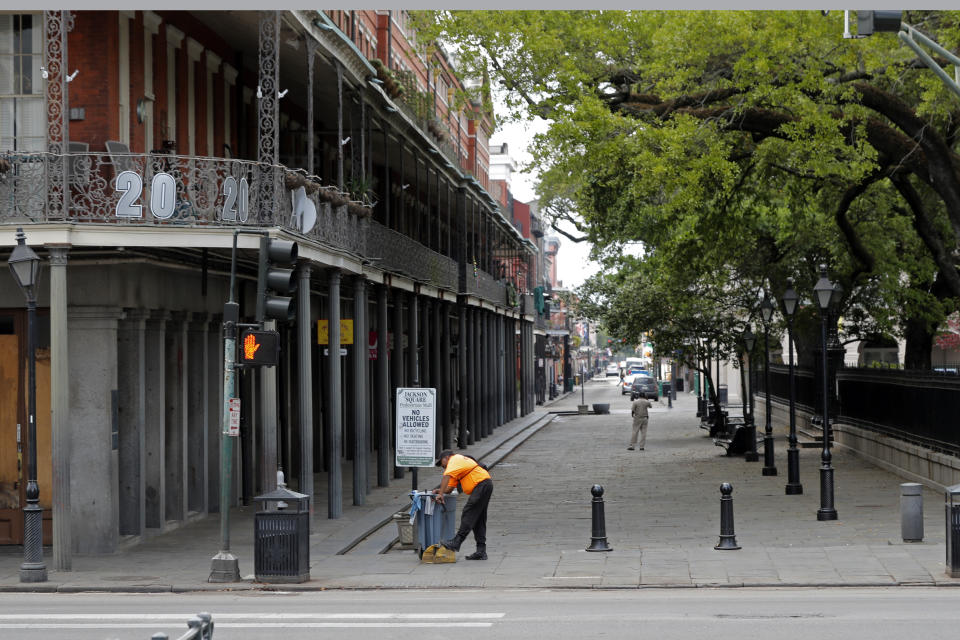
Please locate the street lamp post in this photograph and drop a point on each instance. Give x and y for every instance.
(793, 487)
(769, 464)
(25, 267)
(825, 291)
(749, 340)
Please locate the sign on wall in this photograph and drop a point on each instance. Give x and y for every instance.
(416, 427)
(346, 331)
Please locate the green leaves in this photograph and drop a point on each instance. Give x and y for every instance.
(735, 148)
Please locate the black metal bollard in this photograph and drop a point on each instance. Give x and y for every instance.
(728, 539)
(598, 541)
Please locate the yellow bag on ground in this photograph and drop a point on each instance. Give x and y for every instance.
(438, 554)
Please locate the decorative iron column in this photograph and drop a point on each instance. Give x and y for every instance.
(56, 26)
(334, 384)
(470, 393)
(311, 47)
(339, 125)
(477, 373)
(413, 346)
(397, 354)
(267, 122)
(438, 380)
(359, 390)
(383, 391)
(462, 373)
(446, 439)
(60, 410)
(305, 384)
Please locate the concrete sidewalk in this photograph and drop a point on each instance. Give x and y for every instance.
(662, 520)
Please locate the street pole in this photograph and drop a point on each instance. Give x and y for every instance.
(225, 566)
(824, 290)
(769, 463)
(751, 454)
(33, 568)
(793, 487)
(25, 267)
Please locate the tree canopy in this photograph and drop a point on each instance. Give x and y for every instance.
(736, 149)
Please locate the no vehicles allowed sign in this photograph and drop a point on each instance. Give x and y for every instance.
(416, 427)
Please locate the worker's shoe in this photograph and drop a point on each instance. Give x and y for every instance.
(479, 554)
(453, 544)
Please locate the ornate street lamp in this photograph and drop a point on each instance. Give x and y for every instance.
(825, 291)
(793, 488)
(766, 313)
(25, 267)
(749, 340)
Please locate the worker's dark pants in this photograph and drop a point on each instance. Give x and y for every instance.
(474, 516)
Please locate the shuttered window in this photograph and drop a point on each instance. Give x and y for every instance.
(22, 121)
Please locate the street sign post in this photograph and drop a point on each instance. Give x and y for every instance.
(416, 427)
(233, 427)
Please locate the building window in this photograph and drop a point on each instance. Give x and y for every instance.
(22, 120)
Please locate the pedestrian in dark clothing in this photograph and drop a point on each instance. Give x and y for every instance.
(473, 480)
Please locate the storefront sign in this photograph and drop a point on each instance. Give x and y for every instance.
(416, 427)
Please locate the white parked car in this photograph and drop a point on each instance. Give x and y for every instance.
(613, 370)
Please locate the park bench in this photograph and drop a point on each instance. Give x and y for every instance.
(734, 436)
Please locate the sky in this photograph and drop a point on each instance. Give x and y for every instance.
(573, 267)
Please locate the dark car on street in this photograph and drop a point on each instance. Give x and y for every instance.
(644, 387)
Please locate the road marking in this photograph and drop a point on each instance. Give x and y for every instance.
(246, 625)
(272, 615)
(272, 620)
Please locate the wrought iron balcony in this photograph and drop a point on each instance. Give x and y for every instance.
(479, 283)
(397, 253)
(162, 189)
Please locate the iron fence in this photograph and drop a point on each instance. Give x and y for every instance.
(805, 385)
(917, 406)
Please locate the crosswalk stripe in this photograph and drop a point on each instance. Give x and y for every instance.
(245, 625)
(217, 617)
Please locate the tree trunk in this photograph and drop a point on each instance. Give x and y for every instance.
(919, 340)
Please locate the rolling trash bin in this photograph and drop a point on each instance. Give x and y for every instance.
(433, 521)
(281, 538)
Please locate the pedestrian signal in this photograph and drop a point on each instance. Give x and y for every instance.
(259, 348)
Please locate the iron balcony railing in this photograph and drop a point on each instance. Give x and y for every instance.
(140, 190)
(161, 189)
(397, 253)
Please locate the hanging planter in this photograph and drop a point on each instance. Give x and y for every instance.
(338, 199)
(358, 209)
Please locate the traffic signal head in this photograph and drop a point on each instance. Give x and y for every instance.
(259, 348)
(276, 279)
(870, 22)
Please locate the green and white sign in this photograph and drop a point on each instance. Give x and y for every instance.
(416, 427)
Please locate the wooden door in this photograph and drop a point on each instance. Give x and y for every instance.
(11, 448)
(13, 424)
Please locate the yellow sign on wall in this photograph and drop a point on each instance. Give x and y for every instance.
(346, 332)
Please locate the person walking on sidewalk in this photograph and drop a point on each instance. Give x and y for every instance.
(475, 481)
(639, 409)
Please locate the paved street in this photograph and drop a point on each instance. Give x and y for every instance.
(667, 614)
(662, 520)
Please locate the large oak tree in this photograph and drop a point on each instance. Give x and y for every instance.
(753, 145)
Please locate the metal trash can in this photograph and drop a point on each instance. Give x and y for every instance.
(953, 531)
(439, 524)
(281, 538)
(406, 531)
(722, 392)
